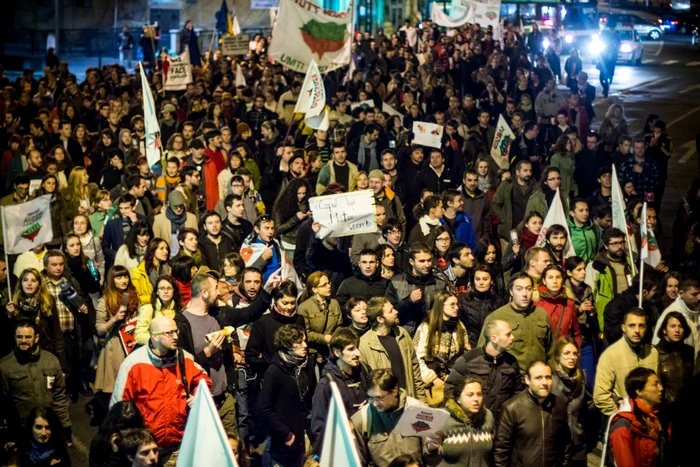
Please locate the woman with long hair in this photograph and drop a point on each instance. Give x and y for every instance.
(82, 136)
(289, 210)
(321, 313)
(177, 147)
(442, 243)
(49, 186)
(428, 214)
(78, 264)
(76, 196)
(487, 180)
(132, 252)
(165, 301)
(42, 443)
(243, 149)
(183, 270)
(104, 447)
(487, 254)
(231, 274)
(468, 433)
(63, 164)
(591, 346)
(92, 247)
(569, 383)
(31, 300)
(117, 311)
(667, 292)
(156, 263)
(387, 261)
(561, 309)
(476, 305)
(527, 232)
(100, 154)
(439, 340)
(613, 127)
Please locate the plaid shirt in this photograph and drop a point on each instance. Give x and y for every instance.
(64, 314)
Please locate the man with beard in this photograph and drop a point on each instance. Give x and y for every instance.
(413, 292)
(212, 244)
(530, 324)
(459, 271)
(619, 359)
(140, 448)
(541, 200)
(32, 377)
(527, 148)
(615, 310)
(345, 369)
(510, 200)
(201, 318)
(557, 237)
(533, 426)
(585, 236)
(609, 273)
(393, 207)
(209, 186)
(388, 346)
(367, 281)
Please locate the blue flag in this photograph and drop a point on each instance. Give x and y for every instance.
(222, 18)
(338, 442)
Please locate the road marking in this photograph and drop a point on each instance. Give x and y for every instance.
(689, 88)
(646, 62)
(648, 83)
(687, 114)
(669, 62)
(660, 49)
(690, 151)
(692, 64)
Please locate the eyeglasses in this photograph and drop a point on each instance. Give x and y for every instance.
(169, 334)
(442, 240)
(377, 399)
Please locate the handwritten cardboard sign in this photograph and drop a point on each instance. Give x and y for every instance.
(344, 214)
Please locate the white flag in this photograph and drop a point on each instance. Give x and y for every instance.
(556, 215)
(501, 143)
(205, 441)
(250, 252)
(619, 221)
(150, 120)
(240, 79)
(312, 99)
(338, 440)
(427, 134)
(27, 225)
(650, 253)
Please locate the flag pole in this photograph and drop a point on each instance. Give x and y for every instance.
(7, 258)
(641, 282)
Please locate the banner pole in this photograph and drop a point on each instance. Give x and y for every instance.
(7, 258)
(641, 282)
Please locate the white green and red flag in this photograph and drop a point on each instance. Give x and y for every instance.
(27, 225)
(312, 99)
(649, 253)
(150, 120)
(619, 221)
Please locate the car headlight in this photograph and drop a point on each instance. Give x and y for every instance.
(625, 48)
(569, 38)
(597, 46)
(545, 43)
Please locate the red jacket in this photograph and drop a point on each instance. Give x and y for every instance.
(210, 179)
(217, 157)
(560, 308)
(155, 386)
(634, 436)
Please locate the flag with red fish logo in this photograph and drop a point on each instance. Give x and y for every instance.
(311, 32)
(27, 225)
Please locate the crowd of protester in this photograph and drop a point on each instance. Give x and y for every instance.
(148, 288)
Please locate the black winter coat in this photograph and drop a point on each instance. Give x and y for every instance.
(501, 376)
(473, 310)
(361, 286)
(261, 345)
(615, 311)
(212, 254)
(533, 434)
(284, 408)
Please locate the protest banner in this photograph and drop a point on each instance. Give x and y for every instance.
(311, 32)
(177, 72)
(235, 45)
(344, 214)
(501, 143)
(427, 134)
(422, 421)
(441, 18)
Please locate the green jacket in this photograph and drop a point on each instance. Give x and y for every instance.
(601, 278)
(586, 240)
(34, 381)
(565, 164)
(318, 323)
(532, 333)
(372, 353)
(538, 203)
(502, 206)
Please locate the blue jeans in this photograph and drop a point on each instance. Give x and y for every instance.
(245, 421)
(588, 359)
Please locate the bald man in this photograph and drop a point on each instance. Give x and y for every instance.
(151, 377)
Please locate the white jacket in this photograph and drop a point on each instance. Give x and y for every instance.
(693, 318)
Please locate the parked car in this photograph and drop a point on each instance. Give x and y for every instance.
(644, 28)
(631, 47)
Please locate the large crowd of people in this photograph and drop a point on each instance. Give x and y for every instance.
(148, 286)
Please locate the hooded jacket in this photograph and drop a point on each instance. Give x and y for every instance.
(399, 290)
(479, 210)
(562, 313)
(603, 280)
(261, 345)
(463, 229)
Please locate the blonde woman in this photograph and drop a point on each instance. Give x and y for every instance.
(76, 196)
(31, 300)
